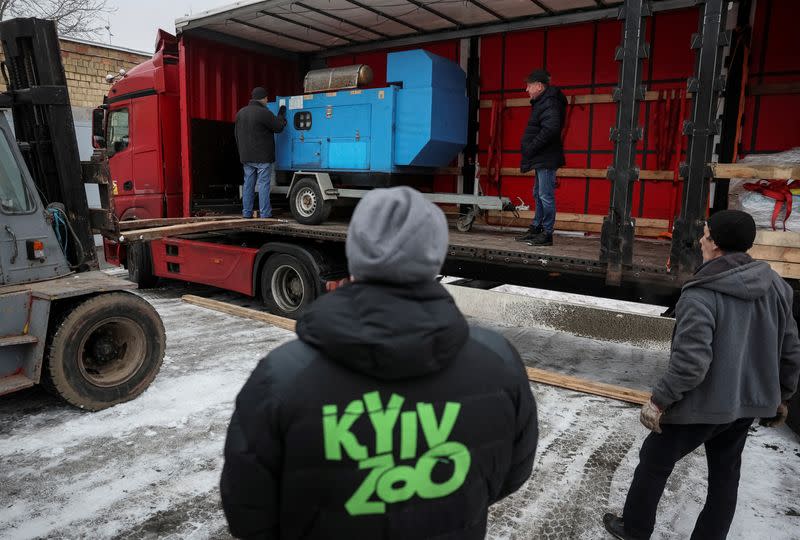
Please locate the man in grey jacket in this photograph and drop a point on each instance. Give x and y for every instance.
(735, 357)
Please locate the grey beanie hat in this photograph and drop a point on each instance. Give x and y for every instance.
(396, 236)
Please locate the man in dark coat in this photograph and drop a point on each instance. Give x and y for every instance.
(543, 151)
(735, 357)
(255, 138)
(389, 416)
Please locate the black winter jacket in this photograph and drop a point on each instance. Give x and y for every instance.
(541, 143)
(255, 129)
(389, 417)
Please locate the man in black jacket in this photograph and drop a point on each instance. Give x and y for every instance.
(255, 129)
(389, 416)
(543, 151)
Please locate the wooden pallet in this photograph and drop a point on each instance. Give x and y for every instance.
(781, 249)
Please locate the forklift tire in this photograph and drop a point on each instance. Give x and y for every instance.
(287, 287)
(104, 350)
(140, 265)
(306, 203)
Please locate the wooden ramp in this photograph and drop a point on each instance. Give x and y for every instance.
(551, 378)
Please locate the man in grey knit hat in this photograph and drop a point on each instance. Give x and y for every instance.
(389, 416)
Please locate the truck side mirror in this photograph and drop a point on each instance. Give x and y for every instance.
(99, 128)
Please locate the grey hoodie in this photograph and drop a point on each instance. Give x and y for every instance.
(735, 348)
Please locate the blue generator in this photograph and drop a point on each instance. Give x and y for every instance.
(416, 123)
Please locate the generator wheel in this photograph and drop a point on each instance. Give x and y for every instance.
(140, 265)
(465, 221)
(306, 202)
(104, 350)
(287, 288)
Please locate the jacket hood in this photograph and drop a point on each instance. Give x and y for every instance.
(386, 331)
(734, 274)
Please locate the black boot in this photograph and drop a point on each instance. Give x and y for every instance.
(541, 239)
(616, 527)
(530, 234)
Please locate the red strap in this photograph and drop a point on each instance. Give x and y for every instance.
(774, 189)
(494, 159)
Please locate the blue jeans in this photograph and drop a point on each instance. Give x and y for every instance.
(256, 175)
(544, 193)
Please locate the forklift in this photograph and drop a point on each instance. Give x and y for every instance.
(66, 325)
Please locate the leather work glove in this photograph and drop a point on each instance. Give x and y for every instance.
(331, 286)
(650, 417)
(779, 419)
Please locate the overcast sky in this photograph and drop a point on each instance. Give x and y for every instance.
(135, 22)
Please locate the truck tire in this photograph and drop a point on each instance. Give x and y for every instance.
(140, 265)
(306, 203)
(104, 350)
(287, 287)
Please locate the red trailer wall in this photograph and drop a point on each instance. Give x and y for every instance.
(772, 122)
(507, 58)
(581, 60)
(216, 80)
(219, 78)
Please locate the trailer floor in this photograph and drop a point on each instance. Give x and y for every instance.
(150, 468)
(648, 253)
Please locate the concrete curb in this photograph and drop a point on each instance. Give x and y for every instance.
(586, 321)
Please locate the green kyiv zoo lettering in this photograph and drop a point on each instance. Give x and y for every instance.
(391, 483)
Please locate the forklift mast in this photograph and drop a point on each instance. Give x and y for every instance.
(43, 125)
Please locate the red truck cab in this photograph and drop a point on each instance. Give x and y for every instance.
(143, 136)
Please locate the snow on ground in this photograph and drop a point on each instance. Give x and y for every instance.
(606, 303)
(572, 298)
(150, 468)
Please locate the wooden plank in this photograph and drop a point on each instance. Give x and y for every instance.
(23, 339)
(785, 269)
(188, 228)
(776, 253)
(777, 238)
(586, 386)
(582, 99)
(720, 170)
(576, 222)
(755, 170)
(134, 224)
(582, 218)
(775, 89)
(621, 393)
(566, 172)
(238, 311)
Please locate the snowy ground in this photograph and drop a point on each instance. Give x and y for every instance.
(150, 468)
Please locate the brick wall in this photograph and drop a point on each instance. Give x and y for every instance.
(86, 66)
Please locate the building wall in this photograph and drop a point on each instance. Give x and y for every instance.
(86, 66)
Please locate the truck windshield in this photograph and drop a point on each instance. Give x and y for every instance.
(14, 195)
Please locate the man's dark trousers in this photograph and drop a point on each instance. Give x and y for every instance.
(660, 452)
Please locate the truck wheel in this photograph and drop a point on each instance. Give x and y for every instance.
(287, 287)
(140, 265)
(104, 350)
(306, 203)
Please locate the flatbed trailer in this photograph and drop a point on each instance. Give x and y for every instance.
(239, 249)
(171, 153)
